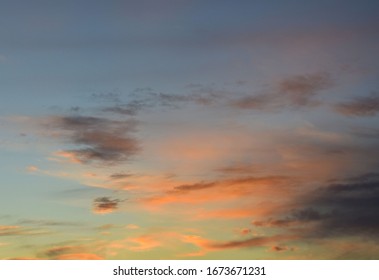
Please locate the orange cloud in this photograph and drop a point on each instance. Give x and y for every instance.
(242, 189)
(147, 242)
(79, 256)
(32, 168)
(69, 155)
(193, 149)
(8, 227)
(207, 245)
(25, 258)
(143, 243)
(132, 226)
(245, 231)
(6, 230)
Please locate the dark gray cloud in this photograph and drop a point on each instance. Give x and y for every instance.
(364, 106)
(352, 207)
(105, 205)
(295, 218)
(346, 208)
(101, 140)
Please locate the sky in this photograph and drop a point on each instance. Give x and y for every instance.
(189, 129)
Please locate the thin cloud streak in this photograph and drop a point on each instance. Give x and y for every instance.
(363, 106)
(13, 230)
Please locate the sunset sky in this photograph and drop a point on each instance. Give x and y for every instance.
(189, 129)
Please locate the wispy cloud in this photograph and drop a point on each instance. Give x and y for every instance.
(207, 245)
(132, 226)
(296, 218)
(301, 88)
(279, 248)
(13, 230)
(292, 92)
(69, 252)
(238, 169)
(257, 102)
(79, 256)
(145, 98)
(251, 242)
(52, 223)
(196, 186)
(363, 106)
(112, 96)
(228, 189)
(32, 168)
(144, 243)
(120, 176)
